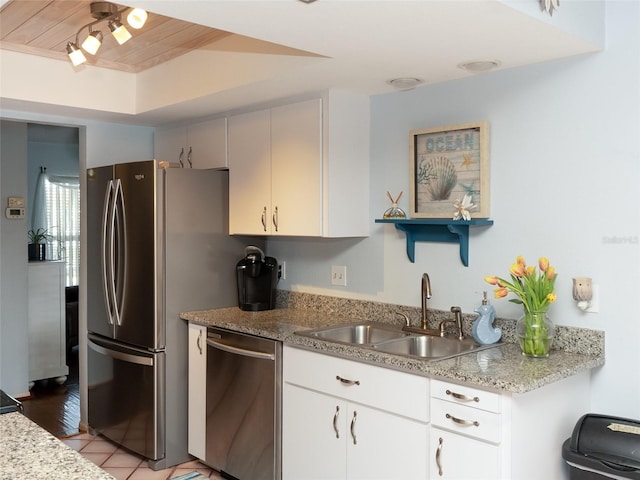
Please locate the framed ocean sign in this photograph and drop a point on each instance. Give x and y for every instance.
(447, 163)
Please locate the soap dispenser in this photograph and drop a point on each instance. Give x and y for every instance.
(482, 329)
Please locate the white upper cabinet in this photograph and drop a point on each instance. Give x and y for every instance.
(250, 173)
(301, 169)
(200, 145)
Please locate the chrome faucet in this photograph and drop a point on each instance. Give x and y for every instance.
(457, 319)
(425, 293)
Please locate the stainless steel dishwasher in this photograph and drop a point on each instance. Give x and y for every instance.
(244, 404)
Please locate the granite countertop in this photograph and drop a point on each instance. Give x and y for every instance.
(502, 367)
(27, 451)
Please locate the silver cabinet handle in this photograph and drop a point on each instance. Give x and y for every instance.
(199, 342)
(438, 450)
(189, 157)
(264, 219)
(346, 381)
(275, 218)
(464, 398)
(459, 421)
(335, 421)
(353, 427)
(180, 157)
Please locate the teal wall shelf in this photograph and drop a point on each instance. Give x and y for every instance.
(436, 230)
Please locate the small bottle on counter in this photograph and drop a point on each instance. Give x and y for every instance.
(482, 329)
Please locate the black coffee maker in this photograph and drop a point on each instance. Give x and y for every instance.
(257, 278)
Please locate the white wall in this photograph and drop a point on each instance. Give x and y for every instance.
(14, 365)
(565, 174)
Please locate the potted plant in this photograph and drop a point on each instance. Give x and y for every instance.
(37, 248)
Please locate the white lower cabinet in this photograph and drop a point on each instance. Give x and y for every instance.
(466, 432)
(489, 435)
(197, 390)
(346, 420)
(458, 457)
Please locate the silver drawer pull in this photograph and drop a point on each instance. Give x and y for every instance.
(464, 398)
(346, 381)
(460, 421)
(335, 422)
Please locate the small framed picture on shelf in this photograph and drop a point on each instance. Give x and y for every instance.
(447, 163)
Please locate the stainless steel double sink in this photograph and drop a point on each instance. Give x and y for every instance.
(391, 339)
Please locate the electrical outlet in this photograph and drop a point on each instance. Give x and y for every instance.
(339, 275)
(282, 270)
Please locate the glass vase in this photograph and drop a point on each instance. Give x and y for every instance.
(535, 332)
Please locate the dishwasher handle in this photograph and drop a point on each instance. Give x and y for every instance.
(240, 351)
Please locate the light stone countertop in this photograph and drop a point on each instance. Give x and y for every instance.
(29, 452)
(502, 367)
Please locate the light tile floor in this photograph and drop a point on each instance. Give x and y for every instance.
(124, 465)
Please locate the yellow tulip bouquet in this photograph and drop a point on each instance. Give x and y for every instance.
(534, 288)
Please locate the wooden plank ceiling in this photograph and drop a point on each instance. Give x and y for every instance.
(43, 27)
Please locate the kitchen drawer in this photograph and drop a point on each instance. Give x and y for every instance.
(473, 422)
(397, 392)
(473, 397)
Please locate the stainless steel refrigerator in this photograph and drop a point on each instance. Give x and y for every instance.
(157, 244)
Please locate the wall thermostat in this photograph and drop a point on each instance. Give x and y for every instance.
(14, 213)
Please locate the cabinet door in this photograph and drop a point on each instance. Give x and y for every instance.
(296, 168)
(169, 144)
(381, 445)
(197, 402)
(207, 144)
(314, 431)
(250, 173)
(459, 457)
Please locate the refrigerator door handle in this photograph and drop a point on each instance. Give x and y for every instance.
(106, 251)
(125, 357)
(120, 229)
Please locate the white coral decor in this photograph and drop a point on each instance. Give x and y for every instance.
(462, 208)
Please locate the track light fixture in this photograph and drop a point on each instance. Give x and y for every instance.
(104, 12)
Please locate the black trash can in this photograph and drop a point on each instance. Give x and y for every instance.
(603, 447)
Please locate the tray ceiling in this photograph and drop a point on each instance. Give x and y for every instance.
(43, 27)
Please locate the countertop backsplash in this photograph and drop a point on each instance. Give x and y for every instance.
(570, 339)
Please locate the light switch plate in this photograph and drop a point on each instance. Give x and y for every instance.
(339, 275)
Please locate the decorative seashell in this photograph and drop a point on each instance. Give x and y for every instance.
(443, 178)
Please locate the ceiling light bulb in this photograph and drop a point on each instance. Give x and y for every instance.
(75, 54)
(136, 18)
(119, 31)
(92, 43)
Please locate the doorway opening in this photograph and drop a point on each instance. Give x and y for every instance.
(53, 201)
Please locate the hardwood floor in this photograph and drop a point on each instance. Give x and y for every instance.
(56, 408)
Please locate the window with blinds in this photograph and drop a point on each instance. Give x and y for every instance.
(62, 217)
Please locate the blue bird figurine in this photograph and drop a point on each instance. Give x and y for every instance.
(483, 331)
